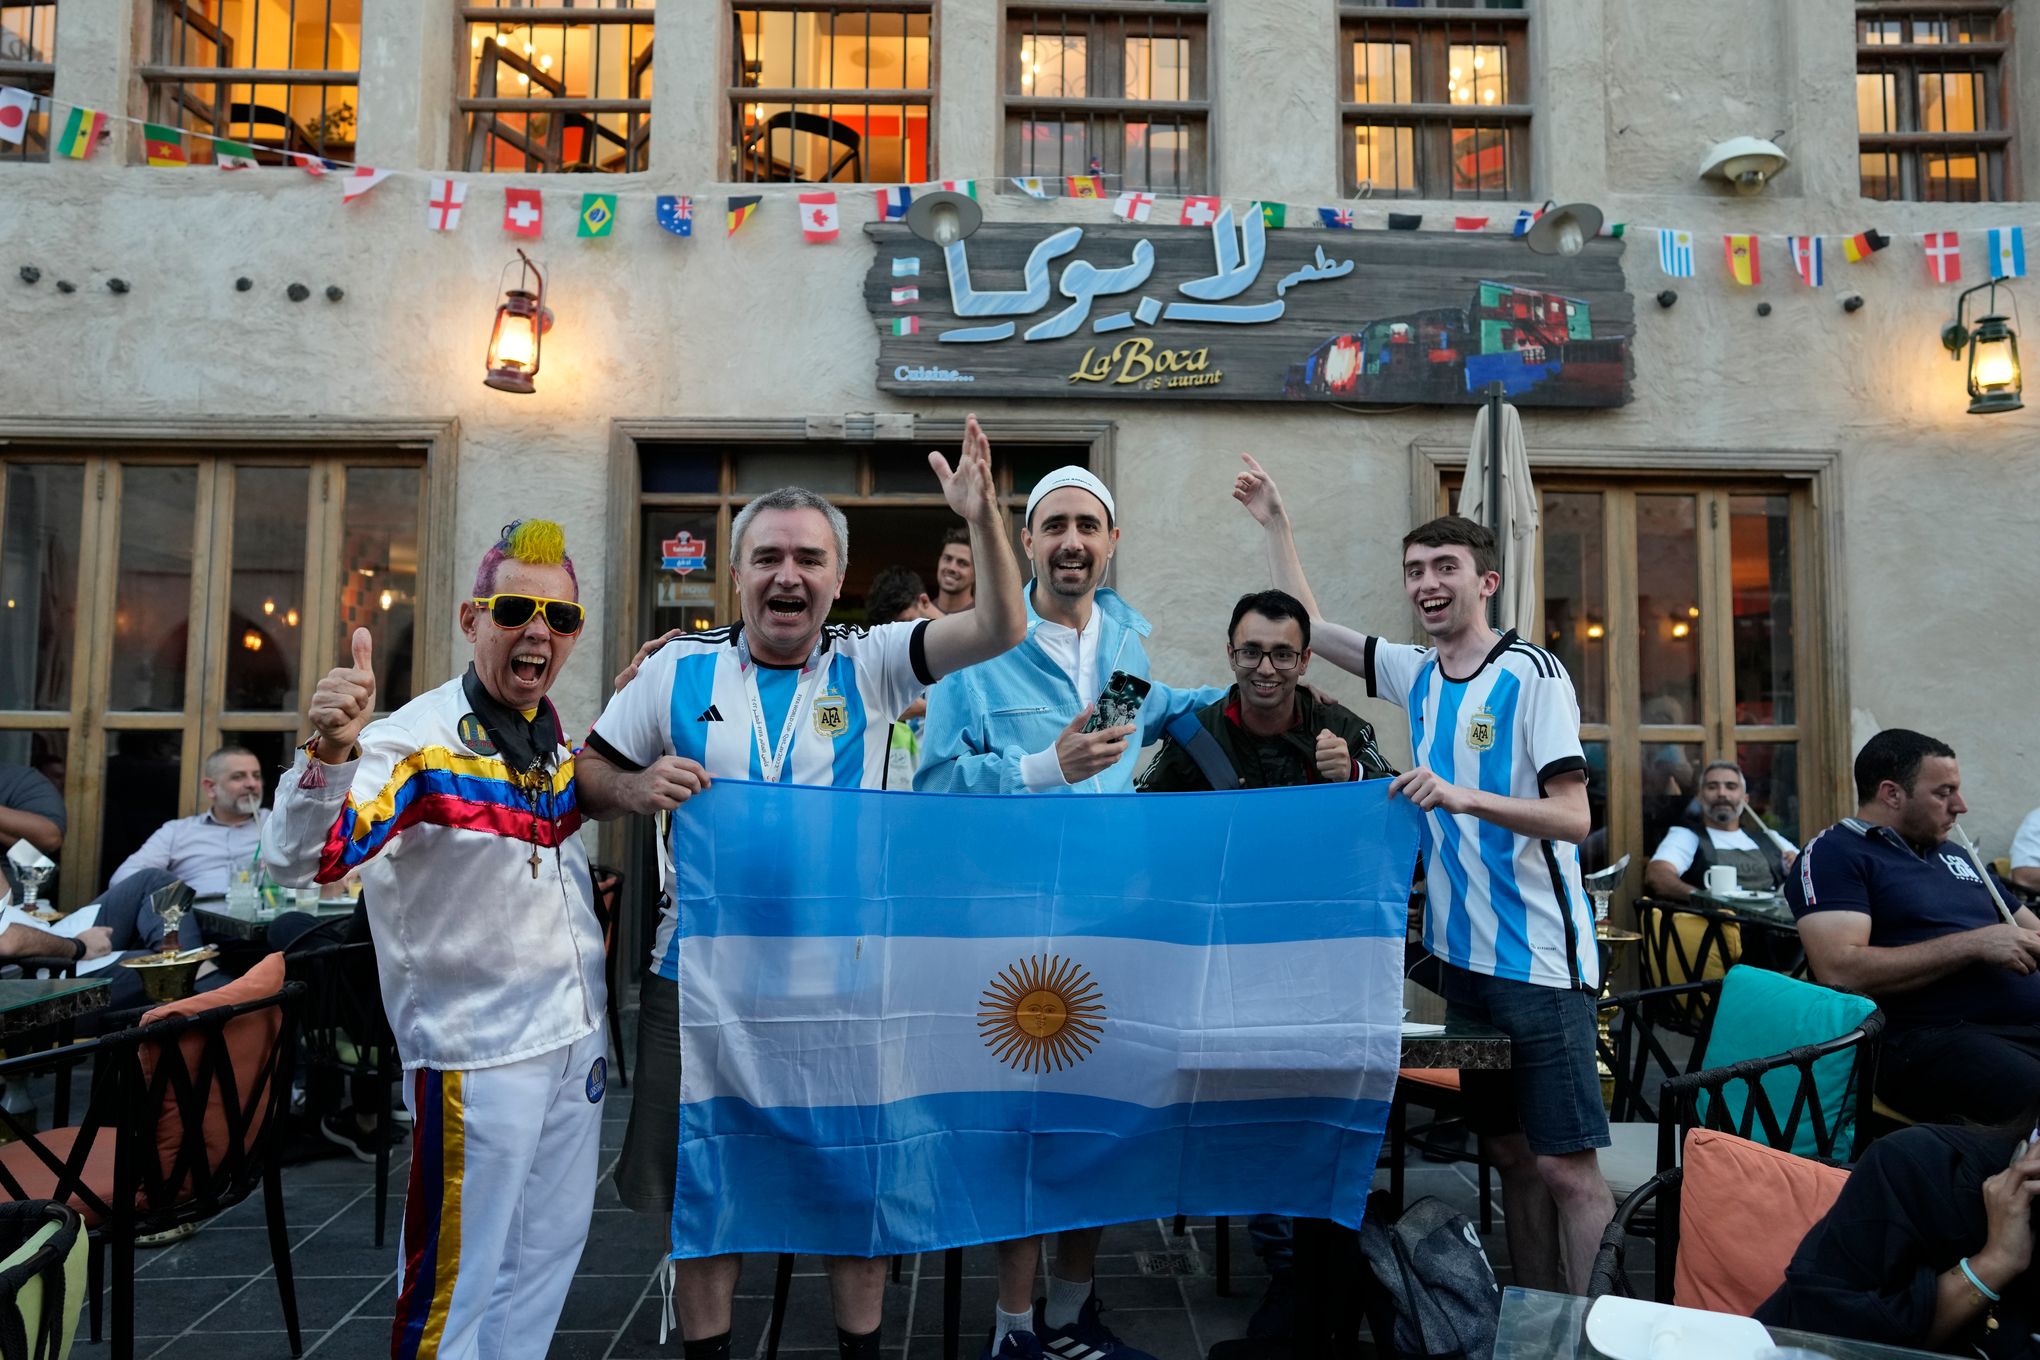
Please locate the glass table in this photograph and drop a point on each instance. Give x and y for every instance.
(221, 922)
(1764, 906)
(1540, 1326)
(30, 1003)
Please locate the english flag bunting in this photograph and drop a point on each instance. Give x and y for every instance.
(442, 205)
(818, 217)
(360, 182)
(1806, 259)
(1741, 252)
(2008, 252)
(894, 202)
(524, 212)
(1944, 256)
(676, 214)
(1469, 224)
(15, 106)
(1133, 206)
(1200, 211)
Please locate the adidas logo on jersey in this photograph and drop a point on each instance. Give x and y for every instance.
(710, 714)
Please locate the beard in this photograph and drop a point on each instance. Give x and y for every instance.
(248, 804)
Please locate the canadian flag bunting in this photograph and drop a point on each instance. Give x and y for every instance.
(523, 212)
(818, 217)
(1944, 256)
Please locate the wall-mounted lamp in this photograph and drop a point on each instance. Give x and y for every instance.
(1596, 631)
(1563, 230)
(944, 217)
(1995, 381)
(522, 319)
(1748, 163)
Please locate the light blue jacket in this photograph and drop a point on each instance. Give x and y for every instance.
(984, 718)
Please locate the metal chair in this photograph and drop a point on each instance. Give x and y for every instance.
(346, 1033)
(183, 1077)
(798, 122)
(608, 908)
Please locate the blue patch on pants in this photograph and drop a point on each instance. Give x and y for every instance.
(596, 1072)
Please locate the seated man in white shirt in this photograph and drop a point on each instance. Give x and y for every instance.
(205, 850)
(2026, 855)
(1683, 857)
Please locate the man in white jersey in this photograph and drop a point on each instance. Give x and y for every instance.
(1501, 779)
(782, 696)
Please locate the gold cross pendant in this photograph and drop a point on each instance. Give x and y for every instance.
(534, 862)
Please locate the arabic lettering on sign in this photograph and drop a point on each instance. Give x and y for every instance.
(1237, 261)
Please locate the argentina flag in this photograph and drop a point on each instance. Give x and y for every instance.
(916, 1021)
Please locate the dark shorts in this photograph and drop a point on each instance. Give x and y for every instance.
(651, 1141)
(1551, 1092)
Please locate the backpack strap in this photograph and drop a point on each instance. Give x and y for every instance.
(1204, 749)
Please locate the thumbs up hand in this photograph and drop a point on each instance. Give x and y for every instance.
(343, 701)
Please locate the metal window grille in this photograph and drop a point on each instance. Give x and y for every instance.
(279, 77)
(1434, 99)
(831, 92)
(1931, 100)
(28, 61)
(560, 86)
(1118, 88)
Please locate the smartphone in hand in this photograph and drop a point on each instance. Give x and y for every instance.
(1119, 703)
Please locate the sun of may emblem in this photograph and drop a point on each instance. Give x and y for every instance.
(1041, 1014)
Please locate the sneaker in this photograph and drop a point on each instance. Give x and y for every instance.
(1016, 1346)
(1088, 1338)
(167, 1236)
(340, 1130)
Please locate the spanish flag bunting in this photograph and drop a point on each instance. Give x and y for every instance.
(1742, 259)
(82, 131)
(740, 209)
(165, 144)
(1863, 245)
(1086, 186)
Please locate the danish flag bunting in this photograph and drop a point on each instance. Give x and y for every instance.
(1944, 256)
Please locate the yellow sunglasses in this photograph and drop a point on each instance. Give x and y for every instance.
(563, 617)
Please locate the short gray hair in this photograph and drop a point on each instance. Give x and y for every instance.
(218, 759)
(1711, 766)
(792, 498)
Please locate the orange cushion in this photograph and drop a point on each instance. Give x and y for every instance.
(251, 1044)
(1743, 1209)
(1446, 1078)
(37, 1181)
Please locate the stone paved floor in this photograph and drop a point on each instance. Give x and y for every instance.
(213, 1296)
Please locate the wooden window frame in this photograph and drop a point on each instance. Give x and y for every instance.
(1820, 642)
(1102, 23)
(103, 446)
(1908, 147)
(736, 93)
(1431, 115)
(38, 78)
(166, 82)
(477, 110)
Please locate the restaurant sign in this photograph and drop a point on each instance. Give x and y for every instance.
(1237, 312)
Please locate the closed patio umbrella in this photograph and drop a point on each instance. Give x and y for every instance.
(1517, 535)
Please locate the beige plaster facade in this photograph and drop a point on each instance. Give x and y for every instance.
(1926, 514)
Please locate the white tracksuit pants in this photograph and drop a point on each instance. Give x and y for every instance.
(503, 1163)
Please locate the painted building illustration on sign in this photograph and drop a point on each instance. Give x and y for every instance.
(1535, 343)
(1232, 310)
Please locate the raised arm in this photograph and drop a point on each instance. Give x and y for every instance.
(1344, 647)
(998, 622)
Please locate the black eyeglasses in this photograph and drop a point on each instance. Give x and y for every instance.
(563, 617)
(1248, 657)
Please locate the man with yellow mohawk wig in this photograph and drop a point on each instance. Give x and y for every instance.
(458, 812)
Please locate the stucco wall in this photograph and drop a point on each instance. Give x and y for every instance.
(1936, 517)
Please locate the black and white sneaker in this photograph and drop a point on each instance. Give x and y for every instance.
(340, 1130)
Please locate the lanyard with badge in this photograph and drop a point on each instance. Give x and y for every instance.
(803, 698)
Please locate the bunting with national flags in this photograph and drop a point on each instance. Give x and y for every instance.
(443, 204)
(524, 212)
(1133, 206)
(1274, 215)
(598, 215)
(1338, 219)
(1863, 245)
(363, 179)
(894, 202)
(818, 220)
(234, 156)
(1030, 185)
(1405, 221)
(2008, 252)
(1740, 249)
(966, 187)
(163, 145)
(1469, 224)
(1200, 210)
(81, 134)
(315, 166)
(739, 210)
(1524, 218)
(1944, 255)
(1806, 259)
(676, 214)
(1085, 186)
(1675, 252)
(15, 106)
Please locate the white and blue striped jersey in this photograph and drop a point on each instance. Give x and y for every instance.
(1496, 902)
(690, 699)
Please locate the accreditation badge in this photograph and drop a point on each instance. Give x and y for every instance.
(1480, 729)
